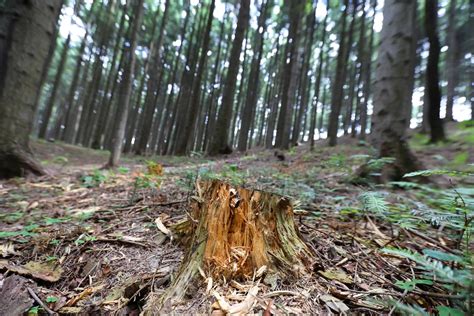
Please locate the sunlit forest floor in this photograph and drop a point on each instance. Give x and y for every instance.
(89, 240)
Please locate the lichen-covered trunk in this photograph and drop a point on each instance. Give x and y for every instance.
(233, 233)
(26, 28)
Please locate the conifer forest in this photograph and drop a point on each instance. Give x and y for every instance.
(237, 157)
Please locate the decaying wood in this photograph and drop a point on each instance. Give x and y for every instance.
(14, 296)
(232, 233)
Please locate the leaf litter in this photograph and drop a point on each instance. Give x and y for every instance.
(109, 246)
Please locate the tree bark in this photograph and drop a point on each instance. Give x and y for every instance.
(26, 29)
(219, 143)
(126, 88)
(432, 73)
(392, 88)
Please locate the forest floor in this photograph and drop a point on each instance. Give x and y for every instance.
(88, 241)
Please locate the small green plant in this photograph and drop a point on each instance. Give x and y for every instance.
(34, 310)
(51, 299)
(373, 202)
(93, 180)
(460, 159)
(82, 239)
(337, 161)
(457, 278)
(60, 160)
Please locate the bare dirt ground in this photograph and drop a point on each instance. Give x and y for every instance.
(88, 242)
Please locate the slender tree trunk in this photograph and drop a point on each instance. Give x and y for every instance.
(186, 85)
(254, 77)
(126, 88)
(155, 75)
(453, 59)
(211, 108)
(105, 102)
(432, 73)
(274, 98)
(304, 83)
(167, 119)
(361, 61)
(219, 143)
(46, 117)
(71, 105)
(340, 76)
(185, 136)
(317, 87)
(238, 101)
(367, 77)
(350, 99)
(290, 77)
(26, 29)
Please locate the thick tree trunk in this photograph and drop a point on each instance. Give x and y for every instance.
(220, 142)
(237, 231)
(126, 89)
(49, 57)
(432, 73)
(26, 29)
(392, 87)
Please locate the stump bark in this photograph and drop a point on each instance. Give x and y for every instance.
(233, 232)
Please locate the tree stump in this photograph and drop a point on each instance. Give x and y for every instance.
(235, 231)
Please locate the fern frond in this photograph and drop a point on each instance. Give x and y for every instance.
(373, 202)
(436, 172)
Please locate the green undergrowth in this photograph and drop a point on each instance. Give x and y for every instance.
(444, 213)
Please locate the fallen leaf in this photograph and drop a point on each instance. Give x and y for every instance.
(32, 206)
(7, 250)
(245, 307)
(335, 274)
(38, 270)
(162, 227)
(334, 303)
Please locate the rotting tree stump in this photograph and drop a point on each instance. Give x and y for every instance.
(232, 233)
